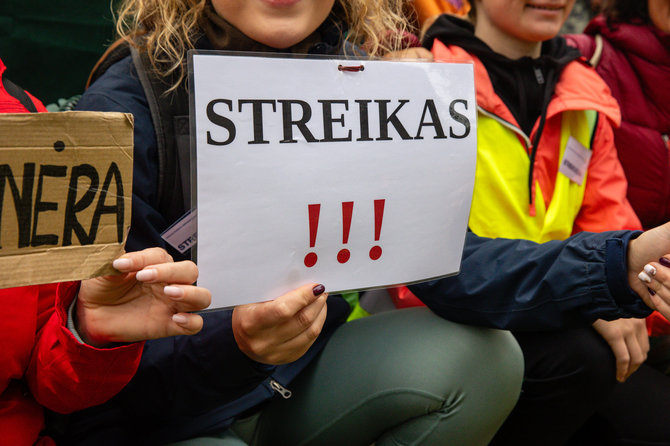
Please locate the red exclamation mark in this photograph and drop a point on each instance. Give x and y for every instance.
(313, 210)
(376, 251)
(347, 210)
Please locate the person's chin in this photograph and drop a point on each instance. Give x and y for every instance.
(281, 41)
(544, 33)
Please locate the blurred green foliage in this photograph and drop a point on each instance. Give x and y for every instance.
(49, 47)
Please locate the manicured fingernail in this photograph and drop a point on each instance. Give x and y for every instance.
(663, 261)
(173, 291)
(644, 277)
(649, 269)
(179, 319)
(652, 292)
(146, 275)
(319, 289)
(122, 264)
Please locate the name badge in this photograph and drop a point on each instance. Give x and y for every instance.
(575, 161)
(183, 234)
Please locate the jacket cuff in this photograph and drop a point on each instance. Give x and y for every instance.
(70, 321)
(616, 270)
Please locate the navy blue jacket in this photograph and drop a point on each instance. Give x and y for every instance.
(187, 386)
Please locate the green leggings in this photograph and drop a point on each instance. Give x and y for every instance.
(405, 377)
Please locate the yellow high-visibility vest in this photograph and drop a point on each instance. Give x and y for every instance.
(500, 205)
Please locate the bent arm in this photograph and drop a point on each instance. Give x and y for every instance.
(522, 285)
(65, 375)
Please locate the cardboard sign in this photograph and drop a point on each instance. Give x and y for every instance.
(65, 195)
(354, 174)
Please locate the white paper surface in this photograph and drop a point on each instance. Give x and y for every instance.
(254, 198)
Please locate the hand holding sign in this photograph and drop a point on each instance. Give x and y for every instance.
(150, 300)
(281, 330)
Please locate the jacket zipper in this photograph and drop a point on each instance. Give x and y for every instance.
(283, 391)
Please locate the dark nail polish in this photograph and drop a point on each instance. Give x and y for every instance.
(663, 261)
(652, 292)
(319, 289)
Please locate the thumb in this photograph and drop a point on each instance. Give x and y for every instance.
(295, 300)
(184, 324)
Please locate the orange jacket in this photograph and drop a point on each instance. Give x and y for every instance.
(604, 206)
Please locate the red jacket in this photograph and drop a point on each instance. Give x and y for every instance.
(41, 363)
(8, 103)
(635, 63)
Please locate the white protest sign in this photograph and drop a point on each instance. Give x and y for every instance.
(307, 172)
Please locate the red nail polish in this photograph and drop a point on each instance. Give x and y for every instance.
(665, 262)
(652, 292)
(319, 289)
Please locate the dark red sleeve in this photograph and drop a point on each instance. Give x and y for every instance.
(605, 206)
(66, 375)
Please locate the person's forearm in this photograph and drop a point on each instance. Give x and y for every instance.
(521, 285)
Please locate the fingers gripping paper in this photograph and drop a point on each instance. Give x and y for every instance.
(65, 195)
(354, 174)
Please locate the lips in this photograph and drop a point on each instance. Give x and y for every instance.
(280, 3)
(546, 7)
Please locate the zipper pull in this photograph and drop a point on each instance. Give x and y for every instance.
(283, 391)
(538, 75)
(666, 140)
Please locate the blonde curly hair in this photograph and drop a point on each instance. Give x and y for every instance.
(169, 27)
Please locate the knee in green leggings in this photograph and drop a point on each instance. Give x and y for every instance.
(406, 377)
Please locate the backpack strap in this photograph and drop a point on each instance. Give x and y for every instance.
(597, 52)
(19, 94)
(169, 115)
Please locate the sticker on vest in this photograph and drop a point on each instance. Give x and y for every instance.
(575, 161)
(183, 234)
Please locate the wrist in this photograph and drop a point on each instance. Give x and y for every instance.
(81, 324)
(631, 270)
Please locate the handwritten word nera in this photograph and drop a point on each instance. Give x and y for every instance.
(30, 205)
